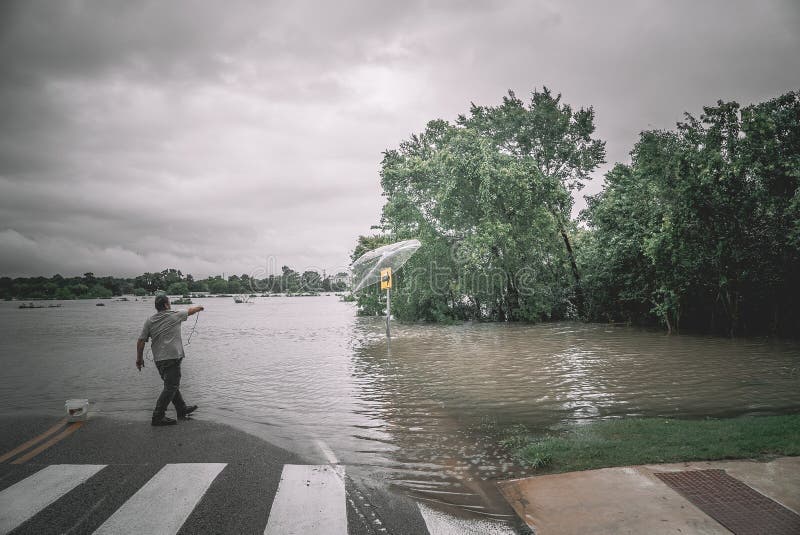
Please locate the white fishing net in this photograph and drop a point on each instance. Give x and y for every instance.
(367, 269)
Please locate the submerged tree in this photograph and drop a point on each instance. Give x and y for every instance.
(554, 143)
(489, 197)
(700, 229)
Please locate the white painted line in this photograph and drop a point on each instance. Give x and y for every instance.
(21, 501)
(310, 499)
(163, 504)
(327, 452)
(439, 523)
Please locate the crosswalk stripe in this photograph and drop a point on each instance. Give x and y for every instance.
(162, 505)
(439, 523)
(310, 499)
(22, 500)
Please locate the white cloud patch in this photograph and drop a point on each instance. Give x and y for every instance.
(210, 137)
(50, 255)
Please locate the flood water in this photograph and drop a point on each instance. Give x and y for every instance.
(422, 413)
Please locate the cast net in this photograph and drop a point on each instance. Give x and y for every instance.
(367, 269)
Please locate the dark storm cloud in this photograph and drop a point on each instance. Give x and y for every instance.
(208, 137)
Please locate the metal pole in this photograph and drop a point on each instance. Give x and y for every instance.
(388, 311)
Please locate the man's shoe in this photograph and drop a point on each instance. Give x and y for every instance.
(164, 420)
(184, 414)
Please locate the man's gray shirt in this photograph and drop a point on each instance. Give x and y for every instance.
(165, 329)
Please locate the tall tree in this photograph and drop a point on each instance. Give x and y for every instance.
(489, 202)
(554, 143)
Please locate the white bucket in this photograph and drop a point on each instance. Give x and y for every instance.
(77, 409)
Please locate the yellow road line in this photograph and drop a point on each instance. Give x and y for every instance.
(33, 441)
(39, 449)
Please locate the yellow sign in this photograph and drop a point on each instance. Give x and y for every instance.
(386, 278)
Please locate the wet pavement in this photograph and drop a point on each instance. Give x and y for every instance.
(635, 500)
(118, 476)
(113, 476)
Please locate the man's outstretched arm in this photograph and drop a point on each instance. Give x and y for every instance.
(195, 310)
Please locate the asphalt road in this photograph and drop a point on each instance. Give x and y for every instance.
(238, 499)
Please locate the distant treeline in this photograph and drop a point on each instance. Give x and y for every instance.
(171, 281)
(700, 232)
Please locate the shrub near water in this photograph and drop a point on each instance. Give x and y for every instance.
(656, 440)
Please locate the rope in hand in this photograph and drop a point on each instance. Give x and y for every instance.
(197, 317)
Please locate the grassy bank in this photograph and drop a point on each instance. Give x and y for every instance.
(657, 440)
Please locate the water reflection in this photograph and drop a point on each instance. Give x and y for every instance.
(443, 392)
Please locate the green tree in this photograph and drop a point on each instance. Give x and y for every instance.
(64, 293)
(6, 287)
(697, 230)
(99, 291)
(555, 144)
(170, 276)
(152, 282)
(81, 291)
(489, 197)
(199, 287)
(218, 285)
(311, 281)
(247, 284)
(178, 288)
(235, 285)
(290, 280)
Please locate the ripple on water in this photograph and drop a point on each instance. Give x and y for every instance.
(427, 410)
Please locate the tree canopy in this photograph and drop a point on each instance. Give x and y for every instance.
(700, 231)
(171, 281)
(489, 197)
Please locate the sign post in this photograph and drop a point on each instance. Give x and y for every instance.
(378, 265)
(386, 284)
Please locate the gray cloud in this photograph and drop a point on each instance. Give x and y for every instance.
(211, 137)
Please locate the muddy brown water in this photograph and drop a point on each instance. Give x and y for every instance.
(422, 413)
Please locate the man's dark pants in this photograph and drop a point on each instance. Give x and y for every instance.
(170, 371)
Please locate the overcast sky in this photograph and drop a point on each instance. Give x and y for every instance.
(240, 136)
